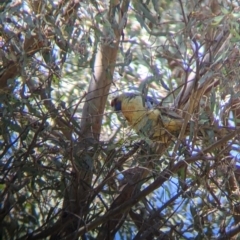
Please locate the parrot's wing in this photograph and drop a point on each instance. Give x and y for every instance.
(165, 124)
(168, 112)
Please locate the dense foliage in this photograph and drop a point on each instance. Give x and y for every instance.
(69, 168)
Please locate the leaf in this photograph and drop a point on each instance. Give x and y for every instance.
(213, 100)
(217, 20)
(224, 10)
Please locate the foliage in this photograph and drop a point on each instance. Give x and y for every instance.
(69, 169)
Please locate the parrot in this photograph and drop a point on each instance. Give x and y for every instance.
(147, 118)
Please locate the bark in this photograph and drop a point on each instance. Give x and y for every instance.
(79, 191)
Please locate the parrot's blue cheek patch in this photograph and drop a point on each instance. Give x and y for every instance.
(118, 106)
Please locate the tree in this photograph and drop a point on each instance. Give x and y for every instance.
(69, 169)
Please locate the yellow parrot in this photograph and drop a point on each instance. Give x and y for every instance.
(146, 118)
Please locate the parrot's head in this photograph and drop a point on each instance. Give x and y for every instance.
(127, 98)
(131, 105)
(127, 101)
